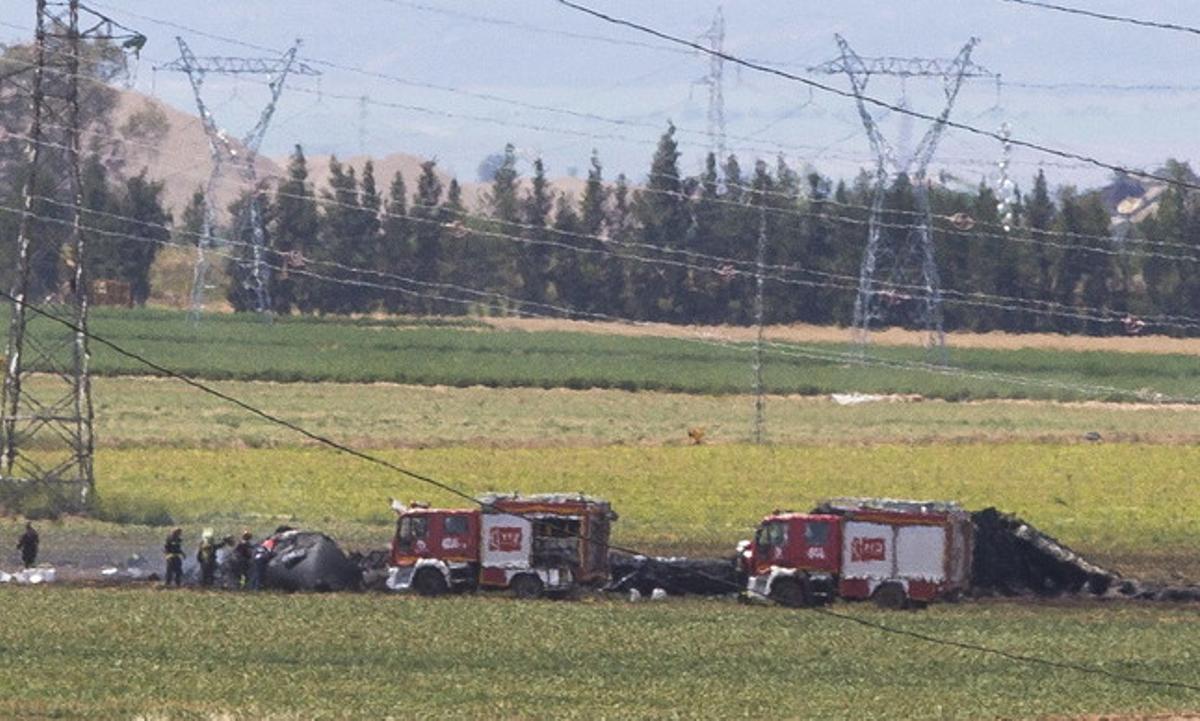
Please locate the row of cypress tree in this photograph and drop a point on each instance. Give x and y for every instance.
(681, 249)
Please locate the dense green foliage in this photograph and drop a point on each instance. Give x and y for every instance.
(135, 653)
(299, 348)
(682, 249)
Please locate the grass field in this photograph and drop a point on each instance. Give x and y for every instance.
(145, 412)
(484, 409)
(1122, 501)
(155, 654)
(293, 349)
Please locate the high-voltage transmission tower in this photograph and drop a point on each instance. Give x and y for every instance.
(224, 150)
(46, 421)
(715, 80)
(898, 268)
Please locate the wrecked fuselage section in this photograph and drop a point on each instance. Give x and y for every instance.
(301, 561)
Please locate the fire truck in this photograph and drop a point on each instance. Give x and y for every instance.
(898, 553)
(534, 545)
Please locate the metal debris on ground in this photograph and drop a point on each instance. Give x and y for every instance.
(310, 561)
(672, 575)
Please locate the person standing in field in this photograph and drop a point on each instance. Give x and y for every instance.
(173, 552)
(263, 555)
(28, 545)
(206, 556)
(243, 554)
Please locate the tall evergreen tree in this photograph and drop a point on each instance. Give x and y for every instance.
(534, 256)
(343, 241)
(570, 282)
(427, 234)
(297, 224)
(618, 295)
(396, 245)
(1040, 217)
(140, 205)
(661, 211)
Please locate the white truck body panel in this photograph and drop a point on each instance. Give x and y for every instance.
(505, 541)
(868, 550)
(877, 551)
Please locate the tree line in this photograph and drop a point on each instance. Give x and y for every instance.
(678, 248)
(682, 248)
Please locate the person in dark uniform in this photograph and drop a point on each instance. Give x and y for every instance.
(28, 545)
(243, 554)
(173, 552)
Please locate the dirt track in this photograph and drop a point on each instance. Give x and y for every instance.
(800, 333)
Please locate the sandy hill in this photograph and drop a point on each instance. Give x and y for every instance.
(172, 146)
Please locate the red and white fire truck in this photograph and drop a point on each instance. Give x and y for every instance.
(899, 553)
(535, 545)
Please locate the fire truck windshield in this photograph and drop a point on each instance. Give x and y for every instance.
(410, 529)
(772, 534)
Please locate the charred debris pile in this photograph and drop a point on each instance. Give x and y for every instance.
(1012, 558)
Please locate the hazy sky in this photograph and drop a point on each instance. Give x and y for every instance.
(539, 52)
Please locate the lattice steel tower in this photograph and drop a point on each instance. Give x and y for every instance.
(715, 80)
(46, 421)
(223, 150)
(899, 271)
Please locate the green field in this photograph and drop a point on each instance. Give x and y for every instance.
(144, 412)
(484, 409)
(294, 349)
(1124, 502)
(160, 654)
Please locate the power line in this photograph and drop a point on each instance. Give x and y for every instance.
(507, 303)
(759, 67)
(1004, 307)
(821, 151)
(1106, 16)
(1049, 308)
(583, 115)
(726, 264)
(727, 268)
(607, 546)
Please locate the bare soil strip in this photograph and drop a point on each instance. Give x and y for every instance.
(801, 333)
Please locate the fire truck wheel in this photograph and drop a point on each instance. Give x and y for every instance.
(430, 582)
(890, 596)
(527, 585)
(789, 592)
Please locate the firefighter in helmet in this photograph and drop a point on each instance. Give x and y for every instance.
(206, 556)
(243, 556)
(173, 552)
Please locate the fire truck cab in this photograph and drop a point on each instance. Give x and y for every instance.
(899, 553)
(535, 545)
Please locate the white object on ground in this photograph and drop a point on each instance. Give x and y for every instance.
(853, 399)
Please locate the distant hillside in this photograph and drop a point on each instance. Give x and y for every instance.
(172, 146)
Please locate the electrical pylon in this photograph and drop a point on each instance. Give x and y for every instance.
(46, 421)
(715, 80)
(224, 150)
(897, 272)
